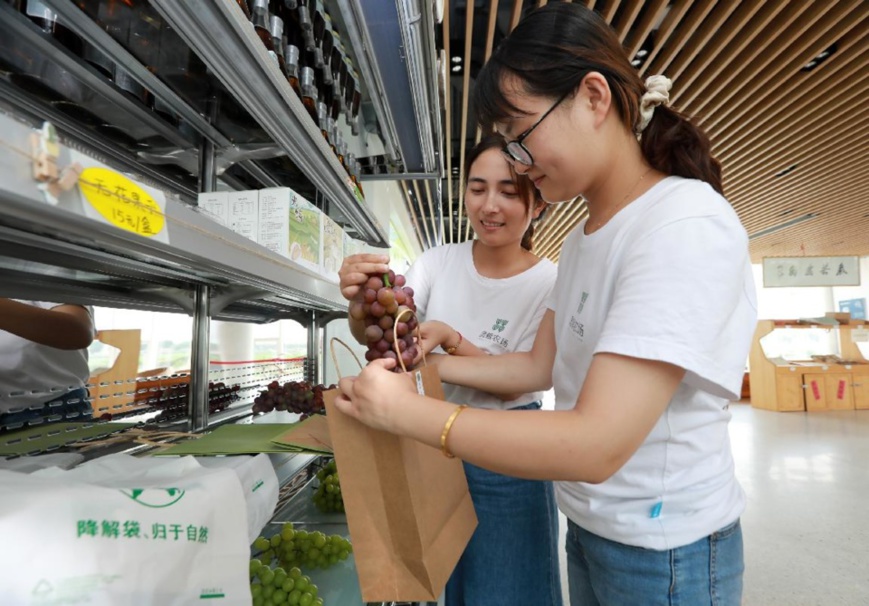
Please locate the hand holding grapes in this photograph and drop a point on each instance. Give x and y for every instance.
(355, 271)
(375, 396)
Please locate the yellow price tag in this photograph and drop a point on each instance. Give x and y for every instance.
(121, 202)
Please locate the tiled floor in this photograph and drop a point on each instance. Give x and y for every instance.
(806, 527)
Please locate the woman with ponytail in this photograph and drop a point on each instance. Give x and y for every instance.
(486, 297)
(646, 333)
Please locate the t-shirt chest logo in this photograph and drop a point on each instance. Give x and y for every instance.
(498, 327)
(577, 327)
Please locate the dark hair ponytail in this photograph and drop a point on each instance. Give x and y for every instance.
(525, 188)
(553, 48)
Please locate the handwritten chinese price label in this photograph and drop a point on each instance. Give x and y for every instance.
(121, 202)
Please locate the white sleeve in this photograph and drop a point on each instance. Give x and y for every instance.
(681, 297)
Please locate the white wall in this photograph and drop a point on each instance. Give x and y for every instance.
(807, 302)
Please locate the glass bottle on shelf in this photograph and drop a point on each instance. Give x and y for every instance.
(319, 29)
(305, 24)
(327, 57)
(276, 27)
(47, 20)
(259, 17)
(309, 91)
(323, 119)
(242, 4)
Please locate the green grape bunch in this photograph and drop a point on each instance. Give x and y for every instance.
(327, 496)
(383, 305)
(275, 586)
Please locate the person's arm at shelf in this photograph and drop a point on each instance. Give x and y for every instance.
(63, 327)
(619, 404)
(435, 334)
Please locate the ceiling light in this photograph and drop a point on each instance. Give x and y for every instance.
(642, 53)
(457, 68)
(780, 226)
(820, 58)
(637, 62)
(456, 59)
(786, 171)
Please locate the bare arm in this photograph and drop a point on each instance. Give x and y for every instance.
(440, 334)
(62, 327)
(589, 443)
(518, 372)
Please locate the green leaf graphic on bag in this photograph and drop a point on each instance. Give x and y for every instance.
(154, 497)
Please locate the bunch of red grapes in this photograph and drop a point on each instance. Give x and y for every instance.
(385, 305)
(295, 396)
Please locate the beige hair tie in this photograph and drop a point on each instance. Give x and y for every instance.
(657, 93)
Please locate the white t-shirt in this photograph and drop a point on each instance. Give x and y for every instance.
(497, 315)
(668, 278)
(32, 374)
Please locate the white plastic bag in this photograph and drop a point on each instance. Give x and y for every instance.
(121, 530)
(260, 485)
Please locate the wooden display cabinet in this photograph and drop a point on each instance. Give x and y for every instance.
(809, 385)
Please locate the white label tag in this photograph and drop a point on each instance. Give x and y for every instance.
(860, 335)
(419, 388)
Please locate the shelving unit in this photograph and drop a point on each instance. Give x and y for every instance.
(242, 128)
(809, 385)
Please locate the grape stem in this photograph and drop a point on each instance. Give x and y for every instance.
(386, 281)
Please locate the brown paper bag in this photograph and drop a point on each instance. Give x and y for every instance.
(408, 507)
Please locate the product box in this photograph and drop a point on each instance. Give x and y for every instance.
(243, 213)
(289, 225)
(274, 219)
(331, 247)
(215, 206)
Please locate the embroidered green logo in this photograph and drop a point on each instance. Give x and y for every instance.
(155, 497)
(500, 325)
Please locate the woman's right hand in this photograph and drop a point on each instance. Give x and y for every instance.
(433, 334)
(355, 270)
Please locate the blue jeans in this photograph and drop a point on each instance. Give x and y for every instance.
(512, 558)
(605, 573)
(71, 406)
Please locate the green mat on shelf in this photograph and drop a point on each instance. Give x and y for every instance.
(253, 438)
(43, 438)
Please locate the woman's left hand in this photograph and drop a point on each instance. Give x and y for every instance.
(376, 396)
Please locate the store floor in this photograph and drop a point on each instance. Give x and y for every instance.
(806, 526)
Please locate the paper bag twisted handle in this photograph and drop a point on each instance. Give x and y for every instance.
(398, 317)
(335, 357)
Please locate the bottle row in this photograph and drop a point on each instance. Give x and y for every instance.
(298, 34)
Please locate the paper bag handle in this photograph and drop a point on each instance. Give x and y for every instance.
(335, 357)
(398, 317)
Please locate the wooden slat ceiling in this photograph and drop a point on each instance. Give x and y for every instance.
(781, 87)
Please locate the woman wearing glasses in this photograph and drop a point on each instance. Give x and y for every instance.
(481, 297)
(646, 335)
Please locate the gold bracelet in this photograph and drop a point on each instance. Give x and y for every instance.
(452, 350)
(446, 432)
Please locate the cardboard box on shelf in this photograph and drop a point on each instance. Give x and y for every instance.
(243, 213)
(215, 205)
(331, 247)
(274, 219)
(290, 226)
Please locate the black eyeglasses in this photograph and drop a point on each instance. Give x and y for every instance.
(515, 150)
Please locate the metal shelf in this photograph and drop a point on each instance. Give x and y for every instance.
(224, 40)
(92, 261)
